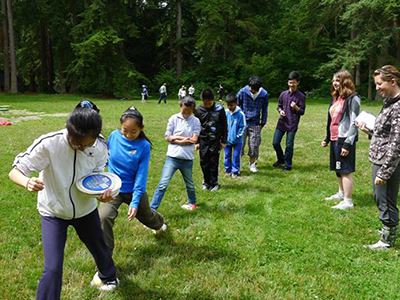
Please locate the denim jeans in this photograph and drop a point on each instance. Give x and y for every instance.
(288, 156)
(171, 165)
(232, 158)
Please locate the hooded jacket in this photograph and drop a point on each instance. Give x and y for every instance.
(60, 167)
(213, 124)
(236, 125)
(385, 143)
(347, 128)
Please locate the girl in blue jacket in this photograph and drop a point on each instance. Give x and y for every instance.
(129, 150)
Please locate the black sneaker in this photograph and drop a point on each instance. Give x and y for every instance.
(278, 164)
(287, 169)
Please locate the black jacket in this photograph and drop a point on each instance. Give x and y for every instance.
(213, 124)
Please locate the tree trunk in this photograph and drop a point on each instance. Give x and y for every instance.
(13, 64)
(357, 75)
(46, 59)
(396, 25)
(6, 50)
(370, 77)
(178, 38)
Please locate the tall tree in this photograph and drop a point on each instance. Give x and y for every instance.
(9, 48)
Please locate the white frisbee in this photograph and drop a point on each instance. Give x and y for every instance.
(98, 183)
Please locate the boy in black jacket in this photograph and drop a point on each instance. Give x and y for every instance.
(212, 138)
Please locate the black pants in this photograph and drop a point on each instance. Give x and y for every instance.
(54, 237)
(209, 159)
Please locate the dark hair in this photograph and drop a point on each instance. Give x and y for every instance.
(207, 94)
(294, 75)
(346, 87)
(134, 114)
(85, 103)
(388, 72)
(84, 122)
(255, 82)
(230, 98)
(188, 101)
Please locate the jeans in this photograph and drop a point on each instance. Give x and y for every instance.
(171, 165)
(232, 158)
(54, 237)
(108, 212)
(163, 96)
(288, 156)
(386, 197)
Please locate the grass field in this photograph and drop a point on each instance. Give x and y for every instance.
(268, 235)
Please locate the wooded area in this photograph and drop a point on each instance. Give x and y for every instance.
(112, 47)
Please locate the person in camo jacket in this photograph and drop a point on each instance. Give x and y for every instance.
(384, 154)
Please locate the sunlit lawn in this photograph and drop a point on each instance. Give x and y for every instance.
(268, 235)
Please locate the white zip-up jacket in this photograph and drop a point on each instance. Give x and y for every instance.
(60, 167)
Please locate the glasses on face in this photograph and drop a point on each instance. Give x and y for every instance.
(81, 144)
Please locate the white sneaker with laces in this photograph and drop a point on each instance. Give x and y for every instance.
(337, 196)
(162, 229)
(253, 168)
(103, 286)
(379, 245)
(344, 205)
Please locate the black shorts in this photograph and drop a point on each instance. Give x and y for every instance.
(342, 164)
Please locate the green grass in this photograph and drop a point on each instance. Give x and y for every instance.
(265, 236)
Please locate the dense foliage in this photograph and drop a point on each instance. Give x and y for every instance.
(112, 47)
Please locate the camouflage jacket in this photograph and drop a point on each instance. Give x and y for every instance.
(385, 143)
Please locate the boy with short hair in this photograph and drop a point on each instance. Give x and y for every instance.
(236, 121)
(291, 106)
(182, 132)
(253, 100)
(212, 138)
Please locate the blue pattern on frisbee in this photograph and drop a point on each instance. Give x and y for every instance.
(97, 182)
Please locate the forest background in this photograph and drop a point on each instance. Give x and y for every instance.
(111, 48)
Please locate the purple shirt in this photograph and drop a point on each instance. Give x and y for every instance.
(291, 121)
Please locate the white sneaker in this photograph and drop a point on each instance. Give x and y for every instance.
(189, 206)
(253, 168)
(215, 188)
(344, 205)
(337, 196)
(103, 286)
(379, 245)
(204, 187)
(162, 229)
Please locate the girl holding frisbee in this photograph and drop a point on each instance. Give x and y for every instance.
(129, 150)
(62, 158)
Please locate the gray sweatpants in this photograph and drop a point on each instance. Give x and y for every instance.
(386, 197)
(108, 212)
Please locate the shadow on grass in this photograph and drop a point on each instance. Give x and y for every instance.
(175, 255)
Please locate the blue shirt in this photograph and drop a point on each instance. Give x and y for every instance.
(129, 159)
(255, 110)
(290, 122)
